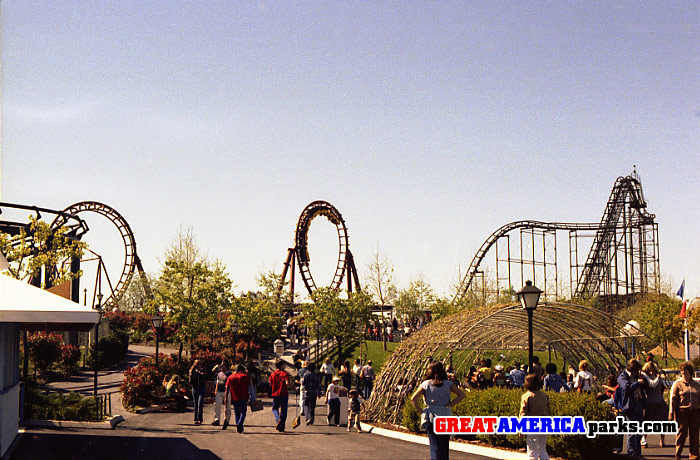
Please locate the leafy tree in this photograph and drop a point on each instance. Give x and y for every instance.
(258, 318)
(659, 320)
(38, 245)
(269, 281)
(379, 282)
(443, 307)
(415, 300)
(340, 319)
(195, 295)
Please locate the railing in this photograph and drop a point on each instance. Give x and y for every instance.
(104, 405)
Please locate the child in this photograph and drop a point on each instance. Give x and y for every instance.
(354, 411)
(535, 403)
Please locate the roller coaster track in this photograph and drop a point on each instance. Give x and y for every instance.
(625, 212)
(627, 190)
(132, 262)
(300, 252)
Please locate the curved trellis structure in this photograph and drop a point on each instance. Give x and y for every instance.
(573, 331)
(300, 252)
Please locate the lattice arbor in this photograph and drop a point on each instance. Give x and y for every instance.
(573, 332)
(616, 260)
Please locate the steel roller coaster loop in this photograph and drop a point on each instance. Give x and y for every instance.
(300, 252)
(132, 262)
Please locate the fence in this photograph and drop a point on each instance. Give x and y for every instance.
(104, 406)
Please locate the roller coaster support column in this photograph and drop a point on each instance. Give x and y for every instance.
(529, 296)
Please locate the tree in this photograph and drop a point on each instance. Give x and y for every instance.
(195, 297)
(269, 281)
(379, 282)
(418, 298)
(443, 307)
(38, 245)
(134, 299)
(340, 319)
(258, 318)
(659, 320)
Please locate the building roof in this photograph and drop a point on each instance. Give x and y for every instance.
(37, 309)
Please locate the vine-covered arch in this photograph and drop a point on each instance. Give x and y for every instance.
(575, 332)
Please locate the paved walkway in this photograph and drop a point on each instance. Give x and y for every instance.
(173, 436)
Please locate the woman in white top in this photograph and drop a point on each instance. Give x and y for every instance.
(583, 382)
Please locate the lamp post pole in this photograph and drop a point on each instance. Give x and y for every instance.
(529, 296)
(97, 341)
(157, 321)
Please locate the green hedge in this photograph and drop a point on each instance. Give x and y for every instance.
(110, 350)
(502, 402)
(56, 406)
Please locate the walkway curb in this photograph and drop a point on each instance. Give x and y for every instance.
(458, 446)
(108, 424)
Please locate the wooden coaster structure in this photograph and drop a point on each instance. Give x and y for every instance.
(299, 254)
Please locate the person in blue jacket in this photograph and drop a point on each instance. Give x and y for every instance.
(629, 399)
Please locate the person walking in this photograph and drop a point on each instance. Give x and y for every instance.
(311, 386)
(198, 382)
(685, 410)
(356, 372)
(238, 392)
(630, 400)
(367, 374)
(535, 402)
(354, 411)
(656, 409)
(333, 401)
(436, 391)
(345, 374)
(222, 373)
(279, 380)
(327, 370)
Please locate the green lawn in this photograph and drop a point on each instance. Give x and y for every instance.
(372, 350)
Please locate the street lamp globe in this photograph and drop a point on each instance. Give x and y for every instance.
(529, 296)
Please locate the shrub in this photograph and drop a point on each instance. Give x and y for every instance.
(502, 402)
(119, 320)
(44, 350)
(70, 357)
(110, 350)
(56, 406)
(142, 386)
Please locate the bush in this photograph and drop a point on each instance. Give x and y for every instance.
(142, 386)
(119, 320)
(70, 357)
(110, 350)
(44, 350)
(56, 406)
(502, 402)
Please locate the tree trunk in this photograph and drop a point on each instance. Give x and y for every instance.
(179, 354)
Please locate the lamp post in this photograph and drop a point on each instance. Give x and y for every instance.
(157, 322)
(529, 296)
(317, 326)
(97, 340)
(234, 329)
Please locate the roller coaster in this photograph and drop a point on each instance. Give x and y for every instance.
(621, 265)
(76, 227)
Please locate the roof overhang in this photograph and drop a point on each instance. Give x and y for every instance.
(37, 309)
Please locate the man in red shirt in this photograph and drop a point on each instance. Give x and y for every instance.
(280, 396)
(238, 389)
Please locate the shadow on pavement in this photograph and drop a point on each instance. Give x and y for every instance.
(41, 446)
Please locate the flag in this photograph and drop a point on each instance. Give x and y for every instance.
(682, 315)
(681, 289)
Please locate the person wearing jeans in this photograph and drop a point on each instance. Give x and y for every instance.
(333, 401)
(630, 402)
(198, 382)
(280, 395)
(238, 388)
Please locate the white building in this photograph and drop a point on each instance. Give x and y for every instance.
(25, 307)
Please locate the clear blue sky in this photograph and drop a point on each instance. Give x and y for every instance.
(427, 124)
